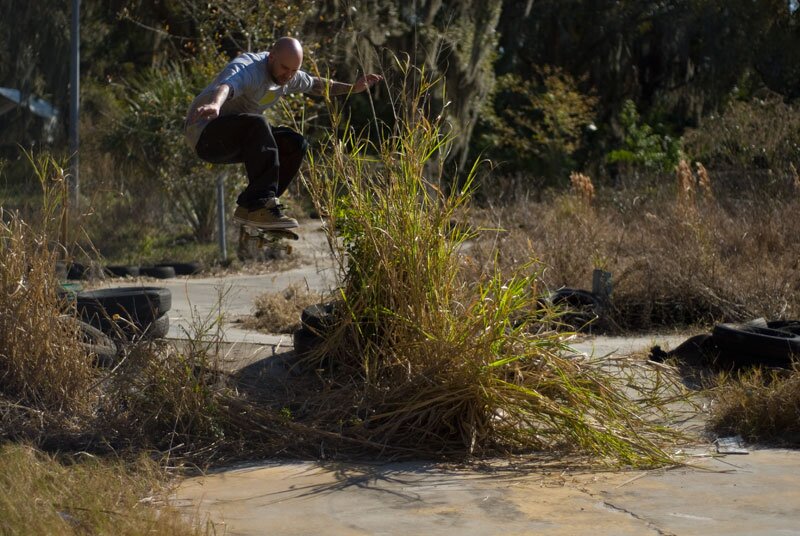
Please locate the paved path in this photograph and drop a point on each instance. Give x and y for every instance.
(754, 494)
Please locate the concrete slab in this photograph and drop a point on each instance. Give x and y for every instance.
(412, 498)
(732, 495)
(604, 346)
(742, 495)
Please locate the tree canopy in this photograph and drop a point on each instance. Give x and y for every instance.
(540, 86)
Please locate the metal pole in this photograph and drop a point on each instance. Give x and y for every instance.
(223, 244)
(74, 108)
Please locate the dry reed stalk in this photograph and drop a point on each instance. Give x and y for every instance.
(686, 184)
(704, 181)
(582, 187)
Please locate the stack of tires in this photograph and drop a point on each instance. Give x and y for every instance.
(77, 271)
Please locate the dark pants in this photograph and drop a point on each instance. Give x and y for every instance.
(272, 157)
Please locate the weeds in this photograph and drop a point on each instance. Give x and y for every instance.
(280, 312)
(760, 405)
(83, 495)
(676, 259)
(41, 361)
(425, 362)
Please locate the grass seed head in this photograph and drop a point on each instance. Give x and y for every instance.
(582, 187)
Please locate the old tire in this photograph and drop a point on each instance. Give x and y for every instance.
(184, 268)
(320, 317)
(747, 344)
(305, 341)
(76, 271)
(158, 272)
(158, 329)
(97, 343)
(123, 311)
(580, 307)
(122, 271)
(792, 326)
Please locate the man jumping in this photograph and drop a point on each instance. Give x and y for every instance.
(225, 124)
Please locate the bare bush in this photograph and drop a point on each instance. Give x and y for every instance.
(279, 312)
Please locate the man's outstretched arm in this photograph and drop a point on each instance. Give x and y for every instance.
(332, 87)
(211, 109)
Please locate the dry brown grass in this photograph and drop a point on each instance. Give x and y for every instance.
(423, 363)
(42, 364)
(83, 495)
(279, 312)
(761, 406)
(674, 262)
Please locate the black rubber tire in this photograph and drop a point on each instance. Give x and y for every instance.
(581, 307)
(158, 329)
(305, 341)
(158, 272)
(183, 268)
(792, 326)
(137, 306)
(320, 317)
(574, 297)
(747, 344)
(122, 271)
(98, 343)
(76, 271)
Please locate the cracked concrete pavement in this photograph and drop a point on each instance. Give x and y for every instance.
(731, 495)
(742, 495)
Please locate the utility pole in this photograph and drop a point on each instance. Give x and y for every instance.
(221, 232)
(74, 98)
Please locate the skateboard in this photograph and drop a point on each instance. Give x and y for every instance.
(255, 242)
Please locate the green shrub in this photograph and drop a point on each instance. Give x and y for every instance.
(541, 124)
(424, 361)
(642, 147)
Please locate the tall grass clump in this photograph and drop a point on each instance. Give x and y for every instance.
(760, 405)
(42, 364)
(425, 361)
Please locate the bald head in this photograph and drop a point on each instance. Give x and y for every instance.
(288, 46)
(285, 58)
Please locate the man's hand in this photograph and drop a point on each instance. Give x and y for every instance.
(366, 82)
(208, 111)
(211, 109)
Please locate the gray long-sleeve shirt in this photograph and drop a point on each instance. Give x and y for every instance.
(252, 91)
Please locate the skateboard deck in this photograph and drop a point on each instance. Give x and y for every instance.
(262, 239)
